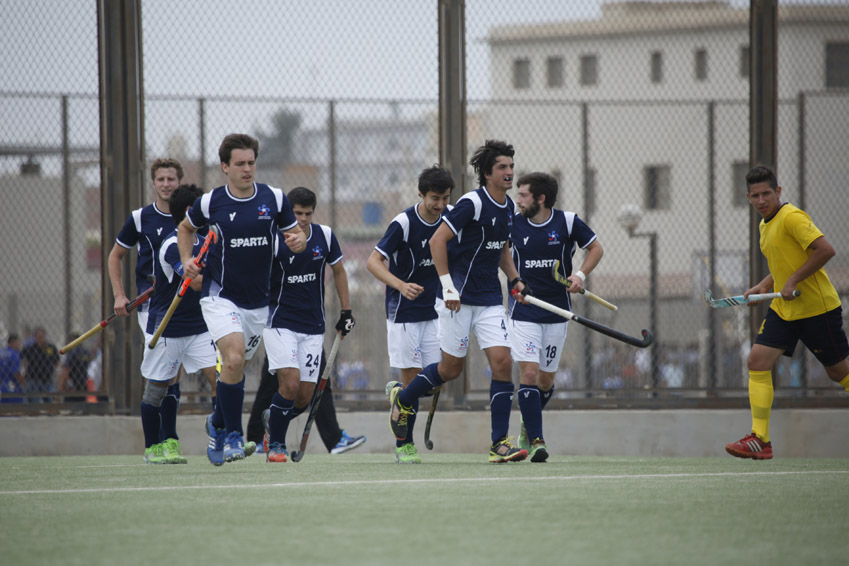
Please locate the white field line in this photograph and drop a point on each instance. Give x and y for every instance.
(416, 481)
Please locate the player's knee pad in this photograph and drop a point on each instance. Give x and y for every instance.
(154, 394)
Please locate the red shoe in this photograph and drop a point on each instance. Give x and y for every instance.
(276, 453)
(750, 446)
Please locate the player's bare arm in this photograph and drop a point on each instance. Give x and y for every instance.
(376, 265)
(821, 251)
(594, 254)
(340, 280)
(439, 253)
(185, 241)
(295, 238)
(505, 263)
(114, 266)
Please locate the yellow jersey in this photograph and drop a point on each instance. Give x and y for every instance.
(784, 241)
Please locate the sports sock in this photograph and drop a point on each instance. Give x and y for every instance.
(845, 383)
(279, 418)
(531, 407)
(545, 397)
(231, 397)
(411, 423)
(151, 424)
(500, 403)
(426, 380)
(170, 404)
(296, 412)
(760, 399)
(217, 413)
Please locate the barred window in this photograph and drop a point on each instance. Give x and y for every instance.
(521, 73)
(701, 64)
(657, 192)
(837, 65)
(656, 71)
(554, 72)
(589, 70)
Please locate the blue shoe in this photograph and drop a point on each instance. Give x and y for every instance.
(215, 448)
(347, 443)
(234, 447)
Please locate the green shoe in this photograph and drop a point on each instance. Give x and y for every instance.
(173, 452)
(155, 454)
(538, 452)
(524, 442)
(250, 448)
(398, 414)
(407, 454)
(502, 451)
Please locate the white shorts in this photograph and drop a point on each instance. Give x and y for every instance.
(412, 344)
(223, 317)
(489, 324)
(540, 343)
(163, 362)
(288, 349)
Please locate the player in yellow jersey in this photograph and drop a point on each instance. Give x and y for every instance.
(796, 252)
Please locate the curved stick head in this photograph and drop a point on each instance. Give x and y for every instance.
(216, 232)
(296, 456)
(429, 444)
(708, 297)
(648, 338)
(555, 268)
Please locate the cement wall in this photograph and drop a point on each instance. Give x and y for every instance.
(796, 433)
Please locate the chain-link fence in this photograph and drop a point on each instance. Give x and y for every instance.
(635, 104)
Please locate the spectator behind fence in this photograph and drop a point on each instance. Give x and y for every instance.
(72, 376)
(11, 380)
(41, 358)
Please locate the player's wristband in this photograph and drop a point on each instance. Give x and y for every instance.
(582, 275)
(516, 280)
(448, 288)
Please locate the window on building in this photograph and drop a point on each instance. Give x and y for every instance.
(521, 73)
(745, 70)
(657, 192)
(656, 67)
(738, 183)
(589, 70)
(701, 64)
(554, 72)
(837, 65)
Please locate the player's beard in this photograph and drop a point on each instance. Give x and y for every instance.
(531, 210)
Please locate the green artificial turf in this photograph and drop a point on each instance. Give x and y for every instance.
(363, 509)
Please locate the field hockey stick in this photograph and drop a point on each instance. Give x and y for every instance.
(131, 306)
(430, 413)
(319, 390)
(643, 342)
(740, 300)
(560, 278)
(211, 237)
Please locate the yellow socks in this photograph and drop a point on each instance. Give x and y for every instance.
(760, 399)
(845, 383)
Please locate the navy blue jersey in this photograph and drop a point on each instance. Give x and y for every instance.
(406, 245)
(535, 249)
(239, 267)
(145, 228)
(297, 283)
(187, 320)
(481, 227)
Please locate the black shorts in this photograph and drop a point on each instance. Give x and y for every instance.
(823, 335)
